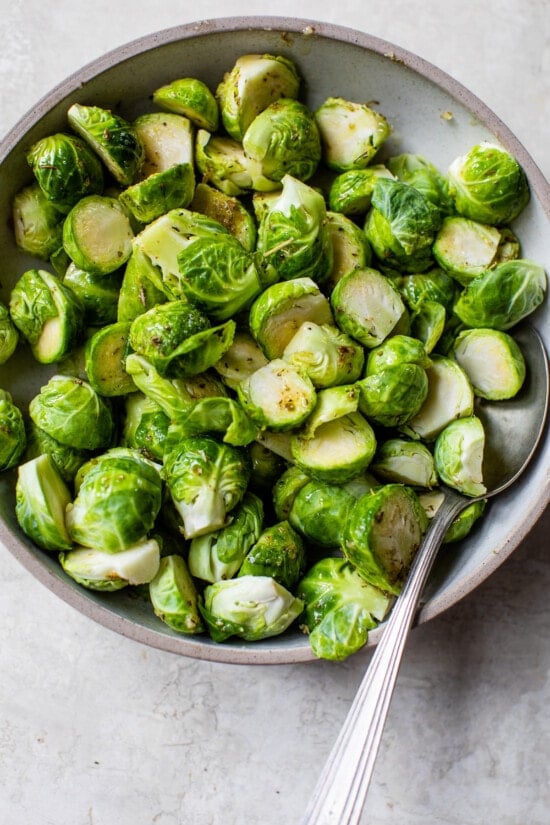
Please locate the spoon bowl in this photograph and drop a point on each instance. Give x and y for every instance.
(513, 430)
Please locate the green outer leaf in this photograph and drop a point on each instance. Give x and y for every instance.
(41, 499)
(279, 553)
(66, 169)
(112, 137)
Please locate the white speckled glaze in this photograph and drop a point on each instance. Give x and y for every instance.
(430, 113)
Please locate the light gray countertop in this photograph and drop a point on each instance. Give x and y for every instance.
(96, 729)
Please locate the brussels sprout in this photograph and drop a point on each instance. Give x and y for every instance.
(501, 297)
(488, 185)
(219, 415)
(366, 305)
(174, 596)
(219, 555)
(112, 138)
(159, 192)
(394, 395)
(206, 480)
(293, 240)
(320, 511)
(424, 176)
(73, 413)
(251, 607)
(434, 285)
(284, 140)
(326, 355)
(105, 360)
(277, 396)
(119, 497)
(192, 98)
(141, 287)
(450, 396)
(98, 294)
(350, 248)
(285, 490)
(159, 332)
(280, 310)
(405, 462)
(428, 323)
(254, 82)
(351, 133)
(13, 438)
(240, 360)
(171, 394)
(47, 313)
(9, 335)
(68, 460)
(218, 275)
(401, 226)
(332, 403)
(145, 426)
(493, 362)
(279, 553)
(383, 533)
(351, 191)
(227, 210)
(66, 169)
(340, 449)
(399, 349)
(458, 456)
(41, 497)
(37, 222)
(97, 234)
(224, 164)
(464, 522)
(466, 248)
(267, 466)
(276, 441)
(167, 141)
(99, 570)
(340, 608)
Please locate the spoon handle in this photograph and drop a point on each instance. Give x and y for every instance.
(340, 792)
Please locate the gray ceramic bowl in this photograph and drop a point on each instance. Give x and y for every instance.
(416, 98)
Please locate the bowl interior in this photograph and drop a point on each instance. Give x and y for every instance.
(430, 114)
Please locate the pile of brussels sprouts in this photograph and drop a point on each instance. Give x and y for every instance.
(266, 346)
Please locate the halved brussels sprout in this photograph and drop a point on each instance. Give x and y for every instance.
(47, 313)
(466, 248)
(350, 248)
(9, 335)
(66, 169)
(192, 98)
(160, 192)
(401, 226)
(488, 185)
(219, 555)
(141, 286)
(450, 395)
(13, 438)
(174, 596)
(319, 512)
(206, 480)
(98, 294)
(72, 412)
(224, 164)
(167, 141)
(105, 356)
(503, 296)
(405, 462)
(112, 138)
(228, 210)
(492, 360)
(279, 552)
(351, 192)
(399, 349)
(285, 490)
(145, 426)
(366, 305)
(433, 285)
(293, 240)
(428, 323)
(158, 333)
(340, 449)
(41, 498)
(37, 222)
(458, 456)
(254, 82)
(99, 570)
(240, 360)
(464, 522)
(97, 234)
(383, 533)
(284, 140)
(277, 396)
(351, 133)
(340, 608)
(332, 403)
(251, 607)
(417, 171)
(281, 309)
(119, 497)
(394, 395)
(326, 355)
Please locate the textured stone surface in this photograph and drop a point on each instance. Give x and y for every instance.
(98, 730)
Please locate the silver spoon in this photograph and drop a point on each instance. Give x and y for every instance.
(513, 430)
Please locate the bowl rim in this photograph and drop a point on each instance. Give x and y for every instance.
(258, 653)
